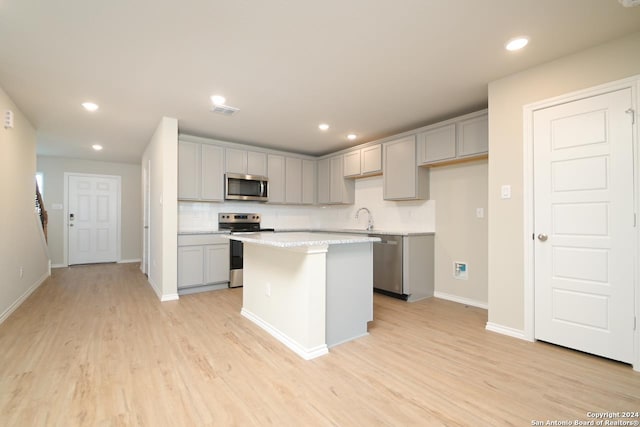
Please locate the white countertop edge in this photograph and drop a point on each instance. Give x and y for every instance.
(299, 239)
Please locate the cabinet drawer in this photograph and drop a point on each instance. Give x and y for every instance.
(201, 239)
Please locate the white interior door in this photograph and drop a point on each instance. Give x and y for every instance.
(146, 218)
(584, 225)
(93, 219)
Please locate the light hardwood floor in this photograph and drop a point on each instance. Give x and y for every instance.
(94, 346)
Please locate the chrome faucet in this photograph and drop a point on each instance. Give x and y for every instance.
(370, 218)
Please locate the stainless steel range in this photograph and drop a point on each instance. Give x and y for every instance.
(238, 223)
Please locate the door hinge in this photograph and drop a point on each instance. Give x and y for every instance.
(634, 323)
(633, 114)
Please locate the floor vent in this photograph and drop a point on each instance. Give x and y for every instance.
(224, 110)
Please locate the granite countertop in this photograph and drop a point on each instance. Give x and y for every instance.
(322, 230)
(359, 231)
(299, 239)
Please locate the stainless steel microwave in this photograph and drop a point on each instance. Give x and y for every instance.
(246, 187)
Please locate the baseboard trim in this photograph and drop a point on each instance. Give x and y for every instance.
(506, 330)
(169, 297)
(17, 303)
(59, 266)
(129, 261)
(461, 300)
(155, 288)
(305, 353)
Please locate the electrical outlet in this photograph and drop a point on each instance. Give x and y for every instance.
(267, 289)
(21, 272)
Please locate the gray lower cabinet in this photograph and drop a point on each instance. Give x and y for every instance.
(203, 263)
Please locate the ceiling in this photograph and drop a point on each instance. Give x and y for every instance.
(374, 68)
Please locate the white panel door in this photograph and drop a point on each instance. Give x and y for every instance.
(584, 225)
(93, 219)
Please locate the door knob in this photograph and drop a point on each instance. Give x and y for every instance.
(542, 237)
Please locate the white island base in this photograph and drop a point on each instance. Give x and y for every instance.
(310, 295)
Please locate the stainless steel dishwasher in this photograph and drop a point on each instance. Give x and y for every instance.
(387, 265)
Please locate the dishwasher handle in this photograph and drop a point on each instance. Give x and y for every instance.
(386, 242)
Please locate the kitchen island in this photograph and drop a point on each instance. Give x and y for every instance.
(311, 291)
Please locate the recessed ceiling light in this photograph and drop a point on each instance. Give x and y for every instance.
(323, 126)
(517, 43)
(218, 100)
(352, 136)
(97, 147)
(90, 106)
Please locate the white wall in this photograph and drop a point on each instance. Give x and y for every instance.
(21, 242)
(53, 169)
(161, 156)
(461, 236)
(598, 65)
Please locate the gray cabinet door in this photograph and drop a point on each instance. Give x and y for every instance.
(437, 144)
(352, 163)
(473, 136)
(323, 181)
(256, 163)
(336, 179)
(371, 160)
(235, 161)
(400, 169)
(293, 180)
(216, 263)
(308, 182)
(276, 174)
(212, 176)
(188, 170)
(190, 266)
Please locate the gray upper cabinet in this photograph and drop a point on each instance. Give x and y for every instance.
(402, 179)
(363, 162)
(308, 182)
(352, 165)
(212, 175)
(245, 162)
(371, 160)
(277, 179)
(200, 172)
(437, 144)
(188, 170)
(473, 136)
(293, 180)
(341, 190)
(323, 181)
(461, 138)
(332, 186)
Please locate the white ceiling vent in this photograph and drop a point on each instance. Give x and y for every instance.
(224, 110)
(629, 3)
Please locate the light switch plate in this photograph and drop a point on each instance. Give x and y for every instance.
(505, 192)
